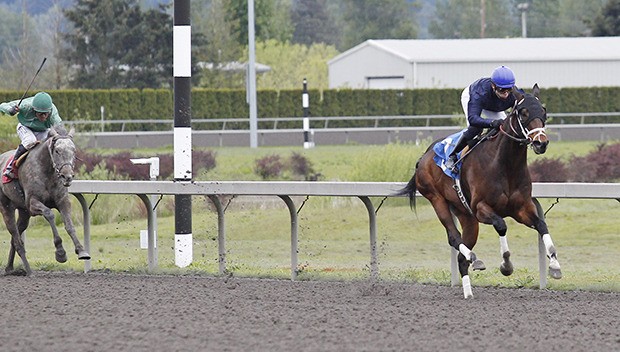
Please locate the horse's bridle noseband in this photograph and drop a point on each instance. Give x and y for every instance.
(527, 136)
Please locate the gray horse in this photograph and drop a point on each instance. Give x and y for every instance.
(43, 180)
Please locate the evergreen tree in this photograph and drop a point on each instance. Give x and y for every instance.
(377, 19)
(607, 23)
(312, 23)
(271, 20)
(460, 19)
(116, 45)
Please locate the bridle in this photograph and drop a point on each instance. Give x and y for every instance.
(522, 134)
(50, 147)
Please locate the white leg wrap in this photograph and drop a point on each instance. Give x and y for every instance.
(548, 243)
(503, 245)
(467, 287)
(465, 251)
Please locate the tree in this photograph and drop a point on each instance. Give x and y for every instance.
(116, 45)
(271, 20)
(376, 19)
(149, 61)
(291, 63)
(576, 14)
(220, 46)
(607, 23)
(458, 19)
(312, 23)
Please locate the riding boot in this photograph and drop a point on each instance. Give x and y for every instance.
(452, 159)
(9, 169)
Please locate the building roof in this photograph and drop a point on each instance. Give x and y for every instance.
(495, 49)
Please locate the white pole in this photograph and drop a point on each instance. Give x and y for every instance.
(252, 77)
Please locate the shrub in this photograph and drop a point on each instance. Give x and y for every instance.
(269, 167)
(601, 165)
(301, 166)
(548, 170)
(203, 160)
(120, 166)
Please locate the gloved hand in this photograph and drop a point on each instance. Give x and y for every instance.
(14, 110)
(495, 123)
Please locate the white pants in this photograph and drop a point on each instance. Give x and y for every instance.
(493, 115)
(29, 137)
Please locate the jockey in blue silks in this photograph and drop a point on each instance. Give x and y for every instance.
(490, 96)
(35, 116)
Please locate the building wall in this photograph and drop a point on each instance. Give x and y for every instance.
(369, 63)
(364, 67)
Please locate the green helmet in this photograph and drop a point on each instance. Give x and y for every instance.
(42, 102)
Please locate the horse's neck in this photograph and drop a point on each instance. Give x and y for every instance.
(509, 154)
(39, 157)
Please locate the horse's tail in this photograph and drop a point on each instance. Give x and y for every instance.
(410, 189)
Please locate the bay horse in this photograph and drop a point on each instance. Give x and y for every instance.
(495, 183)
(44, 177)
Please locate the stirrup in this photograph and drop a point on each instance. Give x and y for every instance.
(451, 163)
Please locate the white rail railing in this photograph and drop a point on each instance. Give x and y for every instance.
(224, 124)
(285, 190)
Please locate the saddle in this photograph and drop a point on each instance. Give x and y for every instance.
(443, 148)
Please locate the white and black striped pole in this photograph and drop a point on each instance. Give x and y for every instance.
(305, 104)
(182, 43)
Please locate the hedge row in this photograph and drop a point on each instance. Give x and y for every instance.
(127, 104)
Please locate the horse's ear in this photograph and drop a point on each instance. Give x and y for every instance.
(71, 131)
(52, 132)
(517, 94)
(536, 90)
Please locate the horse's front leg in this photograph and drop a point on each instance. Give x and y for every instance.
(64, 208)
(554, 265)
(38, 208)
(488, 216)
(532, 216)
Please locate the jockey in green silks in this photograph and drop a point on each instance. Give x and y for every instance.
(35, 116)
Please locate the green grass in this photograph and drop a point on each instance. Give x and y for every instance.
(333, 232)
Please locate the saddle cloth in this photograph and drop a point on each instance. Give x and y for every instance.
(443, 148)
(7, 179)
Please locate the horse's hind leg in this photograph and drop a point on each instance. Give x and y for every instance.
(470, 237)
(466, 256)
(22, 224)
(17, 244)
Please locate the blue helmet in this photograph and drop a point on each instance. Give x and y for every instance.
(503, 77)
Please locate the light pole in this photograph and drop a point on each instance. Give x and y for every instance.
(523, 7)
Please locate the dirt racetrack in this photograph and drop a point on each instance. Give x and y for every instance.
(62, 311)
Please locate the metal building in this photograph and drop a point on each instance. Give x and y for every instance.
(455, 63)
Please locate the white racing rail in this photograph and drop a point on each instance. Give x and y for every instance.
(285, 190)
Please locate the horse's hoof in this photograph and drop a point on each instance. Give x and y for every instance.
(18, 272)
(506, 269)
(555, 273)
(83, 256)
(478, 265)
(61, 257)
